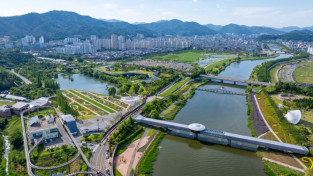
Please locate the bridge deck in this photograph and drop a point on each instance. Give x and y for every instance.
(236, 80)
(230, 136)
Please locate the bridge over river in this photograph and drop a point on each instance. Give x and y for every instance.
(201, 133)
(236, 80)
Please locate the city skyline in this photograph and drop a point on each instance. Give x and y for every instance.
(219, 12)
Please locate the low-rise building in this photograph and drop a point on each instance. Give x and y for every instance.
(5, 111)
(18, 107)
(70, 122)
(43, 101)
(44, 127)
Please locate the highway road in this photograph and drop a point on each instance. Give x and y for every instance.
(27, 81)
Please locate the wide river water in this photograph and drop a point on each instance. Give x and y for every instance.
(181, 156)
(82, 82)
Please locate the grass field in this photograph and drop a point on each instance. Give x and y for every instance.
(6, 103)
(144, 72)
(273, 120)
(187, 56)
(220, 65)
(174, 87)
(92, 101)
(304, 74)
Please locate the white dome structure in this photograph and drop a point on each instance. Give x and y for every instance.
(196, 127)
(294, 116)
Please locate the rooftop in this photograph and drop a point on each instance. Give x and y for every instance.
(19, 105)
(41, 124)
(4, 107)
(68, 118)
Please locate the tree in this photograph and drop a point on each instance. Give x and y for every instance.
(16, 139)
(112, 91)
(154, 114)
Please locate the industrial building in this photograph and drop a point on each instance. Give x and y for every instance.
(70, 122)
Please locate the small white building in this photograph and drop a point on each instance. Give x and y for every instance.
(44, 127)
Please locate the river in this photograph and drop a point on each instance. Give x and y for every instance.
(180, 156)
(6, 153)
(82, 82)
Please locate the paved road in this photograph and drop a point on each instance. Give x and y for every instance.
(27, 81)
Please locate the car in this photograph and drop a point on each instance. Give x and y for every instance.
(84, 143)
(107, 156)
(91, 144)
(107, 171)
(51, 140)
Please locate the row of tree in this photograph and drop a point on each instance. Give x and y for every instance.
(63, 104)
(304, 103)
(122, 131)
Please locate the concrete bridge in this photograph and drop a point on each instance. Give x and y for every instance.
(222, 90)
(201, 133)
(235, 80)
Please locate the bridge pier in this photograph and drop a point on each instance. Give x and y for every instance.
(235, 83)
(222, 81)
(229, 142)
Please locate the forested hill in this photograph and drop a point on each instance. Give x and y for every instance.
(305, 35)
(177, 27)
(61, 24)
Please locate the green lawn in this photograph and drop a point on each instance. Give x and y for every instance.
(150, 73)
(189, 56)
(6, 103)
(174, 87)
(304, 74)
(92, 101)
(169, 110)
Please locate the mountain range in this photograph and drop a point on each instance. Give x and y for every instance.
(304, 35)
(60, 24)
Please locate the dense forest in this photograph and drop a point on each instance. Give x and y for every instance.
(8, 79)
(9, 58)
(304, 103)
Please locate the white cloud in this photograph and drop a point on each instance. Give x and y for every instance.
(109, 6)
(195, 1)
(218, 6)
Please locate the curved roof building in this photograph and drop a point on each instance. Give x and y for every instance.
(294, 116)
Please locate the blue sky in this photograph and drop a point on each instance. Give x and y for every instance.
(274, 13)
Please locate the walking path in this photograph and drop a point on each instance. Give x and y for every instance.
(271, 130)
(145, 134)
(27, 81)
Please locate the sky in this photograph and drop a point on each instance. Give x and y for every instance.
(273, 13)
